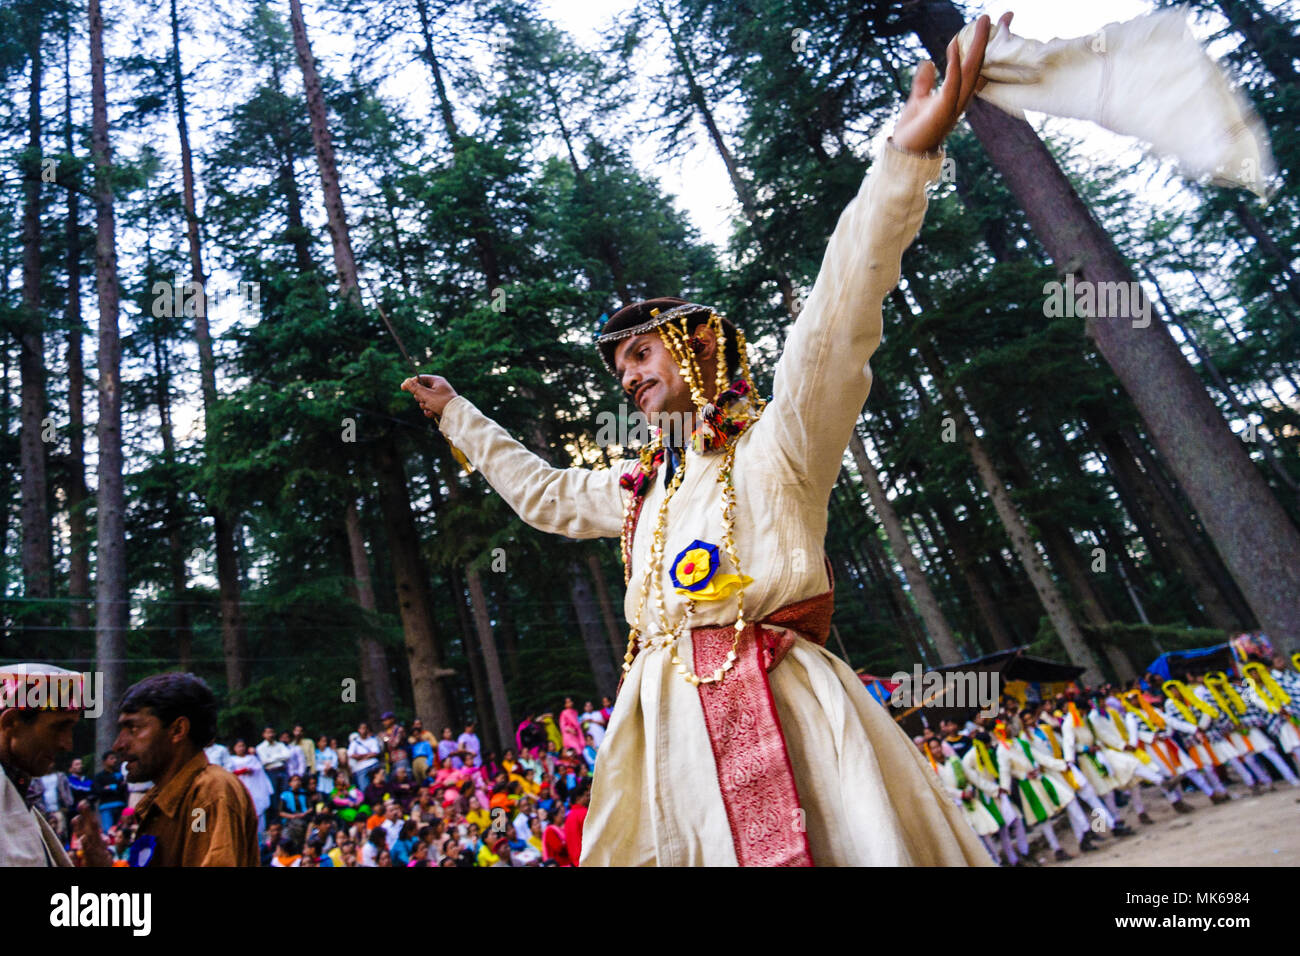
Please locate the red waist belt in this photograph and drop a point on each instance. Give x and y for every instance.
(749, 748)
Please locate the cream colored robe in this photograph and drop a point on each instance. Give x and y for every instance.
(26, 839)
(868, 794)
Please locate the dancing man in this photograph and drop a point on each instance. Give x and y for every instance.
(736, 737)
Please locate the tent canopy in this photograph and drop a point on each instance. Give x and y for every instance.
(1008, 666)
(1198, 660)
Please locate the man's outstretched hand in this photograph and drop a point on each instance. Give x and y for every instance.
(433, 392)
(928, 117)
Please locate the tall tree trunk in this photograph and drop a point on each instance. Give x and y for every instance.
(1248, 526)
(110, 505)
(234, 640)
(412, 584)
(594, 637)
(1271, 40)
(1161, 520)
(926, 603)
(375, 680)
(474, 657)
(336, 218)
(744, 194)
(1190, 529)
(1207, 362)
(482, 616)
(491, 660)
(1049, 595)
(182, 633)
(414, 596)
(37, 542)
(509, 635)
(78, 495)
(616, 639)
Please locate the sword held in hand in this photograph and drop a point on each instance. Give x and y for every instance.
(455, 452)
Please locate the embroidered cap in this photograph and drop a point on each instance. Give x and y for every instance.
(40, 687)
(637, 319)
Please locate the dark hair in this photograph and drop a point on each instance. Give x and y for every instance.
(174, 695)
(107, 754)
(730, 350)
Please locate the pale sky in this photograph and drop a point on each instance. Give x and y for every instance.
(699, 180)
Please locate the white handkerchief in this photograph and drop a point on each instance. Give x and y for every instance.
(1148, 78)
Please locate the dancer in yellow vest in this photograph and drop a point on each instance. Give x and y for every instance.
(1269, 691)
(1226, 739)
(1185, 724)
(1256, 718)
(1156, 736)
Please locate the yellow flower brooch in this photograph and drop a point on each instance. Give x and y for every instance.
(694, 573)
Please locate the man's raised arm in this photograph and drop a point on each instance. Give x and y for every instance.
(576, 502)
(823, 378)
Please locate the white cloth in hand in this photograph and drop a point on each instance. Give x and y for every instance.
(1148, 78)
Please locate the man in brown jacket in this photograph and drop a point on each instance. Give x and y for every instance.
(197, 814)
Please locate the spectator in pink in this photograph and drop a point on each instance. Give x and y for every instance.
(571, 726)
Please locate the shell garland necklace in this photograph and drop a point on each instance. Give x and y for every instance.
(719, 425)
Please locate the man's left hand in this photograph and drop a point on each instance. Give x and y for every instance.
(928, 117)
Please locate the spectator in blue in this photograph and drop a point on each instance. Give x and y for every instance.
(82, 787)
(404, 845)
(294, 804)
(109, 789)
(421, 749)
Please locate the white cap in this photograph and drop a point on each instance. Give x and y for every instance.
(13, 676)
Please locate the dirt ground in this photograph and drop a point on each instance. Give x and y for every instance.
(1249, 831)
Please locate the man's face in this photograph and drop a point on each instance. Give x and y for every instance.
(76, 767)
(146, 746)
(650, 377)
(268, 734)
(33, 747)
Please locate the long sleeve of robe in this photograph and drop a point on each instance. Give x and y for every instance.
(867, 795)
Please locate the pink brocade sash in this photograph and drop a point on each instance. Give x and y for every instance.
(749, 750)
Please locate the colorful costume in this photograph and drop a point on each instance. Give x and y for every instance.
(753, 746)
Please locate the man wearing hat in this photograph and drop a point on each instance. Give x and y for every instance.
(737, 739)
(32, 735)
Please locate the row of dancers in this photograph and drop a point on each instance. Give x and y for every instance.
(1018, 773)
